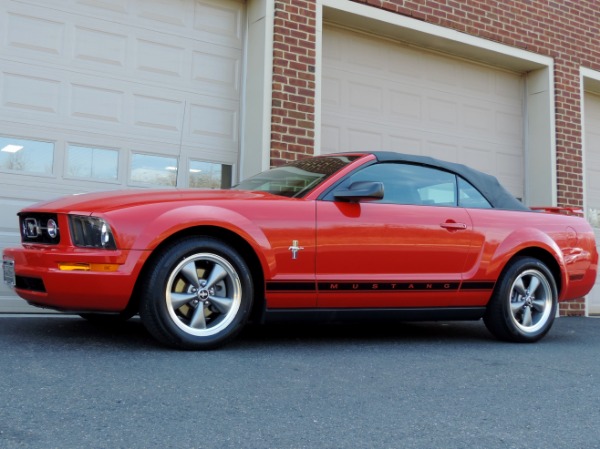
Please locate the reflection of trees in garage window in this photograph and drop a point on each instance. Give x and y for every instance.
(30, 156)
(209, 175)
(92, 163)
(153, 170)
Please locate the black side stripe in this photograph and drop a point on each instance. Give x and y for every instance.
(291, 286)
(477, 286)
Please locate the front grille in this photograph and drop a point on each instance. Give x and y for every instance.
(39, 228)
(28, 283)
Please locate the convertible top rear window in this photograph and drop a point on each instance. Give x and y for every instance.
(296, 179)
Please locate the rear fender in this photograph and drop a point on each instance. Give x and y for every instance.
(522, 240)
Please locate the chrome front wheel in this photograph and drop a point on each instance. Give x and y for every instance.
(203, 294)
(197, 294)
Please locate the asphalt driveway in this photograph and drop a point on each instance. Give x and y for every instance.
(67, 383)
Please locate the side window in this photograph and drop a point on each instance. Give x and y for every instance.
(469, 196)
(440, 194)
(410, 184)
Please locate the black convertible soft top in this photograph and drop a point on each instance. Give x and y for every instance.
(488, 185)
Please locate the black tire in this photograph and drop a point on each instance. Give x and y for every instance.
(524, 302)
(197, 294)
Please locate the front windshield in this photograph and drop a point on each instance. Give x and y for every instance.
(296, 179)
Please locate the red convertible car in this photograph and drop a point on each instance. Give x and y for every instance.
(358, 235)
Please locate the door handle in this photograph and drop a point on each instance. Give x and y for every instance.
(453, 225)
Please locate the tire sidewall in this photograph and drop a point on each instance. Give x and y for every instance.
(154, 308)
(507, 281)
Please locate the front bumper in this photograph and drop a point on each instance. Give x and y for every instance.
(40, 281)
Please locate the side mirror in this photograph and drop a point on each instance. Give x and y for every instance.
(361, 190)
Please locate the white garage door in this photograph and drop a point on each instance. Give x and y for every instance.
(592, 181)
(382, 95)
(106, 94)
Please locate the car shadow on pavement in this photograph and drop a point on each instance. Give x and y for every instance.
(69, 330)
(376, 332)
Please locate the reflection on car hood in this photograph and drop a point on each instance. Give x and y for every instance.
(106, 201)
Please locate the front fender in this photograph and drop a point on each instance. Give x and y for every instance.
(160, 223)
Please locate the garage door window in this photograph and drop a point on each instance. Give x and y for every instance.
(92, 163)
(29, 156)
(153, 170)
(209, 175)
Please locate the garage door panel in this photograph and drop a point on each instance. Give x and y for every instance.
(477, 80)
(120, 108)
(24, 93)
(478, 119)
(100, 49)
(216, 70)
(436, 104)
(49, 38)
(172, 12)
(372, 51)
(592, 180)
(443, 111)
(508, 87)
(199, 67)
(219, 21)
(443, 73)
(96, 103)
(409, 68)
(157, 59)
(331, 139)
(108, 6)
(509, 167)
(359, 139)
(366, 99)
(216, 21)
(509, 126)
(405, 106)
(158, 114)
(406, 144)
(86, 44)
(215, 122)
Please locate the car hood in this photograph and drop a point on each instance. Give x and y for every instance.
(99, 202)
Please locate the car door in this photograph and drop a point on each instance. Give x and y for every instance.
(407, 249)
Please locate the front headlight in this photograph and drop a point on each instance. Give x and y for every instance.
(91, 232)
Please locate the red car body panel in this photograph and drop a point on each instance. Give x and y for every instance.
(349, 255)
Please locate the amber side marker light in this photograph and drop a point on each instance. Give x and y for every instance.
(104, 267)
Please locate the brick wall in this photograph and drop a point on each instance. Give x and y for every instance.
(294, 59)
(572, 308)
(565, 30)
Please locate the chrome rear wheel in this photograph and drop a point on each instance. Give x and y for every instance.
(524, 302)
(531, 300)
